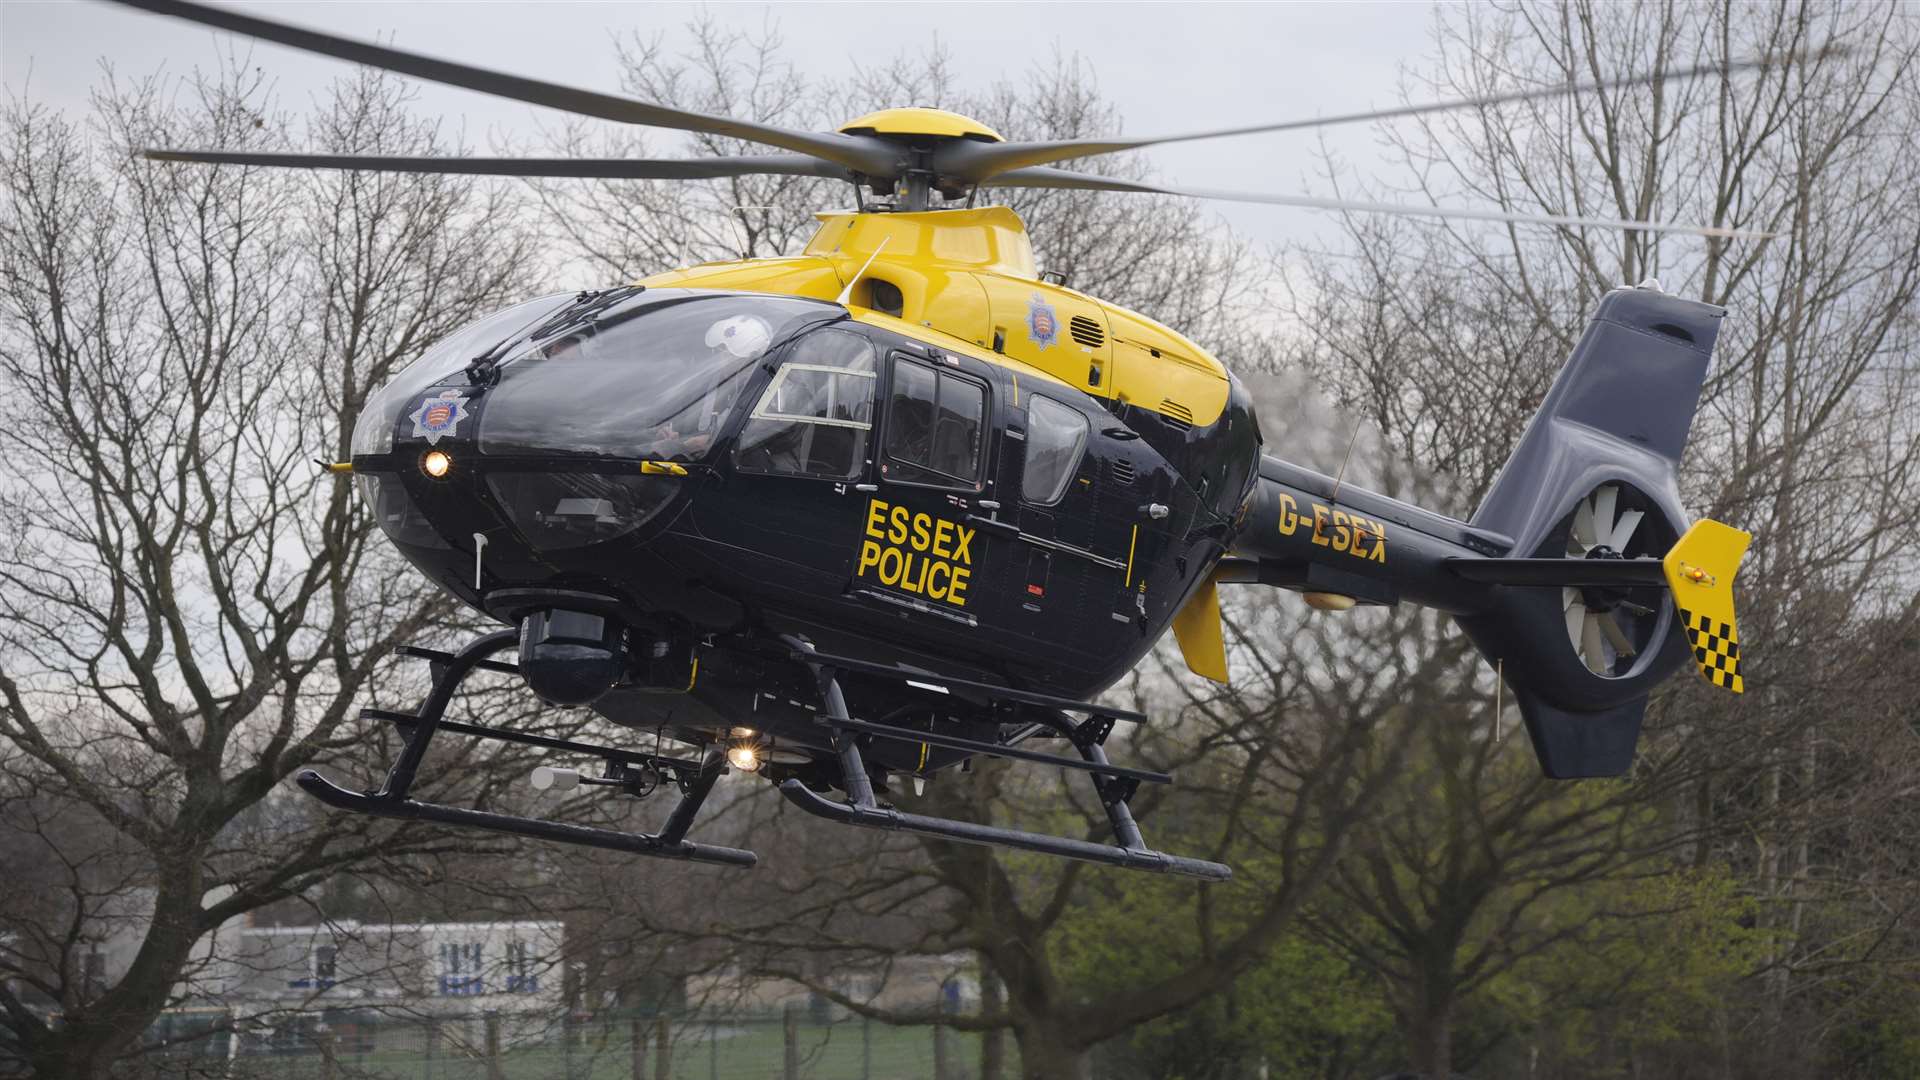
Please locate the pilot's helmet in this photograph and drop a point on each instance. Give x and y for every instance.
(566, 348)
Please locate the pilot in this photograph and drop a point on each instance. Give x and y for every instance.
(668, 439)
(566, 348)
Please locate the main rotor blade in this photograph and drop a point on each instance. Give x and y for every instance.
(870, 156)
(591, 168)
(1045, 177)
(976, 162)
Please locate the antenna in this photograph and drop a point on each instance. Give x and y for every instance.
(846, 294)
(738, 219)
(1342, 474)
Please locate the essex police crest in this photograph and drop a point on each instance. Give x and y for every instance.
(1043, 326)
(439, 415)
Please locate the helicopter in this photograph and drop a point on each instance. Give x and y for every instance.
(849, 519)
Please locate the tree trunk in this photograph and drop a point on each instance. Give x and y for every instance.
(494, 1071)
(790, 1032)
(1046, 1055)
(97, 1033)
(663, 1047)
(993, 1043)
(1430, 1037)
(637, 1034)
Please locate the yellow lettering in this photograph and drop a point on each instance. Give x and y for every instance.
(955, 593)
(960, 552)
(1319, 523)
(1342, 535)
(1289, 520)
(1379, 553)
(895, 534)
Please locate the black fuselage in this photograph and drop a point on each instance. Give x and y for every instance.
(886, 559)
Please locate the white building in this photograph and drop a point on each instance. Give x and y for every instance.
(292, 981)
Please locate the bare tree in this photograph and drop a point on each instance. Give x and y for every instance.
(188, 609)
(1444, 336)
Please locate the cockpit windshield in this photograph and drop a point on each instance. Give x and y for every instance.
(655, 379)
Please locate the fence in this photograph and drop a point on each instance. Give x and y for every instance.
(798, 1044)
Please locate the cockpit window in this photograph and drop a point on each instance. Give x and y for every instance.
(814, 417)
(1056, 435)
(655, 379)
(441, 363)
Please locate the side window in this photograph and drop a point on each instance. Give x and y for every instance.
(935, 423)
(814, 417)
(1056, 436)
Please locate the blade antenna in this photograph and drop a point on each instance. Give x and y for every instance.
(846, 294)
(1342, 474)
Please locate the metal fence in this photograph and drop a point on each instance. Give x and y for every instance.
(797, 1044)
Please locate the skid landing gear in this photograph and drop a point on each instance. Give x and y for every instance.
(639, 773)
(1114, 784)
(695, 779)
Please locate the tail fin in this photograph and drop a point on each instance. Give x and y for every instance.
(1595, 477)
(1700, 571)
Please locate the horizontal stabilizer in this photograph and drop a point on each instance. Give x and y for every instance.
(1565, 573)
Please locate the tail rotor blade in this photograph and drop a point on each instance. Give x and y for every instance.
(1576, 621)
(1584, 530)
(1604, 501)
(1623, 531)
(1622, 644)
(1593, 646)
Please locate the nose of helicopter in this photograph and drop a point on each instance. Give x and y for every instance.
(547, 442)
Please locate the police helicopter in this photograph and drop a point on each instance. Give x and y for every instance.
(848, 519)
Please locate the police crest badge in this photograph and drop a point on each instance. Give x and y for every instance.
(1043, 326)
(439, 415)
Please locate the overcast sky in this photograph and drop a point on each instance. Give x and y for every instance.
(1168, 67)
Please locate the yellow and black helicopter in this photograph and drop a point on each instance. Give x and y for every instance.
(853, 517)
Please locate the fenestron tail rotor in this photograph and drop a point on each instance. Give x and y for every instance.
(1601, 530)
(908, 154)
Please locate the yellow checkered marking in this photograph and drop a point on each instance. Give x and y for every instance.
(1716, 648)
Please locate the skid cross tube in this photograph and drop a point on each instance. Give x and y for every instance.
(861, 809)
(391, 800)
(1000, 750)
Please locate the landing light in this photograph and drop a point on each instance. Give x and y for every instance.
(744, 756)
(436, 463)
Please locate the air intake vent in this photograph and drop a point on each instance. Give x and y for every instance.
(1122, 471)
(1177, 414)
(1086, 331)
